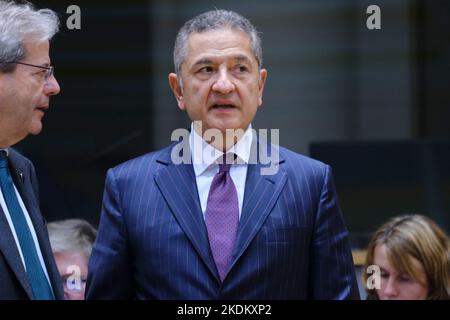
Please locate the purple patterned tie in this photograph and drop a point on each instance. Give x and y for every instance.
(222, 218)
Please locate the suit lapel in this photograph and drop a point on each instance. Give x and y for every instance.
(8, 245)
(19, 176)
(178, 185)
(261, 193)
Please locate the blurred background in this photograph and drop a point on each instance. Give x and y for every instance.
(374, 104)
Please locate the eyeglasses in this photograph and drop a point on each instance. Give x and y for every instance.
(48, 74)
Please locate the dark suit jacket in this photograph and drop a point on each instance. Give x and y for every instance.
(152, 242)
(14, 283)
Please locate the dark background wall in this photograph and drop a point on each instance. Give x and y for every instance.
(102, 116)
(358, 99)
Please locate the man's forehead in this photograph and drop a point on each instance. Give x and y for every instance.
(215, 35)
(39, 51)
(219, 44)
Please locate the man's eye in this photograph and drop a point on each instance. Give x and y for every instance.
(41, 73)
(242, 68)
(206, 70)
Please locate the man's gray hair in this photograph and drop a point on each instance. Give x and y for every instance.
(72, 235)
(21, 23)
(214, 20)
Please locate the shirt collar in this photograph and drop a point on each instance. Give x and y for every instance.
(204, 155)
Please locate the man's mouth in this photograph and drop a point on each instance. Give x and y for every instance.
(42, 108)
(223, 106)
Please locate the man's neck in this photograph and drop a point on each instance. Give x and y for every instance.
(222, 140)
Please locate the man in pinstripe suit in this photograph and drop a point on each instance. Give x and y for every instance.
(159, 234)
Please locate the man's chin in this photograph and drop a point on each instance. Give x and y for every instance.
(35, 128)
(224, 124)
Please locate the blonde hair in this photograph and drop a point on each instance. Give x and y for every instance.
(415, 236)
(72, 235)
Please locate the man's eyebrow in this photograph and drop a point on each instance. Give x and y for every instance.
(202, 62)
(242, 58)
(238, 58)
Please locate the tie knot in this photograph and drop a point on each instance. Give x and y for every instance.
(3, 159)
(224, 167)
(227, 161)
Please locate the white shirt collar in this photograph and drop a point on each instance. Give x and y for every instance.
(204, 155)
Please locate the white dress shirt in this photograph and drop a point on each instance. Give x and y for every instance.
(205, 157)
(30, 226)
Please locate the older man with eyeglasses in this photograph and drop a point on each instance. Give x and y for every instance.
(27, 268)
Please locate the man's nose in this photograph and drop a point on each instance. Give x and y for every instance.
(223, 83)
(52, 88)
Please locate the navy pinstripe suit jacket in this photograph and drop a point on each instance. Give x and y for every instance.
(152, 242)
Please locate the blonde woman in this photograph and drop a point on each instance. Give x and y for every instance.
(410, 254)
(72, 242)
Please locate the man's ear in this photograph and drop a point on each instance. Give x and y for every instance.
(261, 83)
(177, 90)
